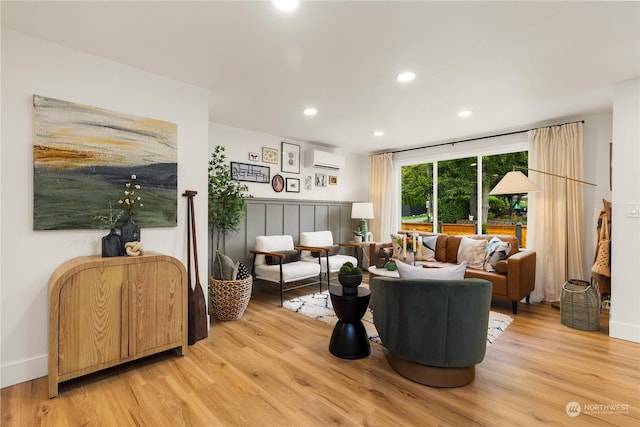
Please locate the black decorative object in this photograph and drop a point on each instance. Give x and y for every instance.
(350, 283)
(349, 337)
(130, 232)
(380, 256)
(112, 244)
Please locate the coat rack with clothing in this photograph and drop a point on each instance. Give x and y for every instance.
(601, 270)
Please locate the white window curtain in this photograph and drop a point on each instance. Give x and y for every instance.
(556, 150)
(382, 195)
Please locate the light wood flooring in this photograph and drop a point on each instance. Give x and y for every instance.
(273, 368)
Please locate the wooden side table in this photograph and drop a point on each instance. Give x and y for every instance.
(349, 339)
(363, 260)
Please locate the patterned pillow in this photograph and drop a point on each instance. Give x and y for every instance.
(396, 243)
(496, 250)
(427, 250)
(473, 251)
(240, 271)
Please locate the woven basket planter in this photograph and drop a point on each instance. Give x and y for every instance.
(229, 298)
(580, 305)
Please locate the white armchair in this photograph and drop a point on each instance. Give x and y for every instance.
(277, 260)
(330, 263)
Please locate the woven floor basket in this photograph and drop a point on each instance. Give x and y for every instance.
(229, 298)
(580, 305)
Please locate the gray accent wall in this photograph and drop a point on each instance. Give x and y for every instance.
(279, 216)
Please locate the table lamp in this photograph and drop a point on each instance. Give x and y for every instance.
(362, 211)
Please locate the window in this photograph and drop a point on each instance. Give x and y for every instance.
(457, 194)
(417, 196)
(446, 193)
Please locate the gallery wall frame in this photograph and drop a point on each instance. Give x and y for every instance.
(307, 183)
(321, 180)
(270, 155)
(250, 173)
(293, 185)
(277, 183)
(333, 180)
(290, 157)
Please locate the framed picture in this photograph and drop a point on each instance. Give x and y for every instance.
(270, 155)
(293, 185)
(84, 155)
(333, 180)
(277, 183)
(254, 157)
(307, 183)
(290, 158)
(251, 173)
(321, 180)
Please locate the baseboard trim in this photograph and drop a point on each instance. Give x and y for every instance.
(624, 331)
(23, 370)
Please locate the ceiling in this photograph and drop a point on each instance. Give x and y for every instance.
(514, 64)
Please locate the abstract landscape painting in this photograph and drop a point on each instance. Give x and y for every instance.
(83, 156)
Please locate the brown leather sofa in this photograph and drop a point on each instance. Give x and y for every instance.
(513, 279)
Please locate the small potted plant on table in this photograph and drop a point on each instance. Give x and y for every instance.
(350, 278)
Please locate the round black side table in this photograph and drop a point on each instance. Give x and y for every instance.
(349, 339)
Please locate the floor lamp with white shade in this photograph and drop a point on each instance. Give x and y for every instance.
(515, 182)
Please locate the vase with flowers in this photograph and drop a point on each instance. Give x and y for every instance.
(112, 242)
(130, 204)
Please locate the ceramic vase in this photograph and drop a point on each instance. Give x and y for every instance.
(130, 232)
(112, 244)
(350, 283)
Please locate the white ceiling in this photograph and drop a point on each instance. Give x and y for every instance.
(513, 63)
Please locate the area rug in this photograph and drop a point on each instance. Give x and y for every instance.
(318, 306)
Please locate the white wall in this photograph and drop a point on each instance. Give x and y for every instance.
(625, 239)
(31, 66)
(597, 134)
(353, 180)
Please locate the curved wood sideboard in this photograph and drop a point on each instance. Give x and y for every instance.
(108, 311)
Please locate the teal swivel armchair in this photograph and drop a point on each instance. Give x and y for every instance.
(435, 330)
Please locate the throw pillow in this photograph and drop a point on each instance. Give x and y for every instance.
(222, 267)
(427, 250)
(396, 243)
(240, 271)
(333, 250)
(289, 256)
(455, 272)
(496, 250)
(473, 251)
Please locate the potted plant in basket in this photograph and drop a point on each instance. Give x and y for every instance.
(350, 277)
(227, 197)
(227, 204)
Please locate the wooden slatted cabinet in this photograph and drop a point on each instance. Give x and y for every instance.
(108, 311)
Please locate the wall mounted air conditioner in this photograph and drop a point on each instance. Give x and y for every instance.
(323, 159)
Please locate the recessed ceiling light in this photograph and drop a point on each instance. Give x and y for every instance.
(406, 76)
(286, 5)
(310, 111)
(465, 113)
(378, 133)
